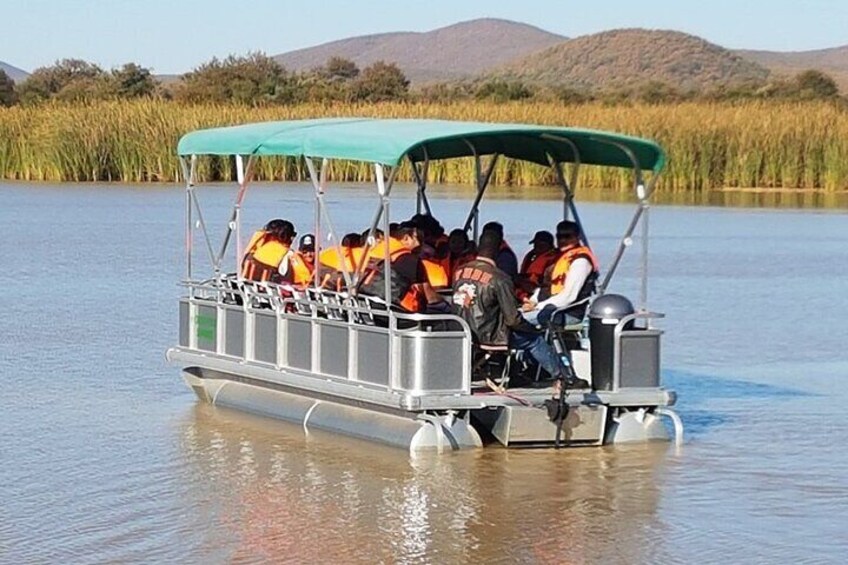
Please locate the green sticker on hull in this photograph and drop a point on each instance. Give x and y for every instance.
(205, 326)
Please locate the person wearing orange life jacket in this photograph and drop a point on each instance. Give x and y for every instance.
(506, 260)
(541, 257)
(461, 250)
(433, 250)
(409, 288)
(335, 260)
(571, 280)
(302, 263)
(267, 250)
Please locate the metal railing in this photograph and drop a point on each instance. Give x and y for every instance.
(424, 353)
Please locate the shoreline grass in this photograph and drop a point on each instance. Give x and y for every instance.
(761, 145)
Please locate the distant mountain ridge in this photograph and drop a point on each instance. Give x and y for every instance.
(496, 48)
(13, 72)
(625, 58)
(833, 61)
(453, 52)
(492, 47)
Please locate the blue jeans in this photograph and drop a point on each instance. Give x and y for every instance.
(543, 317)
(540, 349)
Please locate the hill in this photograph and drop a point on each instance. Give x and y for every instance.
(631, 57)
(14, 73)
(455, 51)
(832, 61)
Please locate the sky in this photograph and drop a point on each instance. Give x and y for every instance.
(175, 36)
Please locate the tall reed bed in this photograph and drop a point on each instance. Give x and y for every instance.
(751, 144)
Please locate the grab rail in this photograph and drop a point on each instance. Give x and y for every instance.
(326, 307)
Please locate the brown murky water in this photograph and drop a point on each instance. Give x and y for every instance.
(105, 456)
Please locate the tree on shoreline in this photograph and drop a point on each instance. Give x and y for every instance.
(381, 82)
(8, 96)
(75, 80)
(254, 79)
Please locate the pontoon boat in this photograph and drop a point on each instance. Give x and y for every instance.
(343, 362)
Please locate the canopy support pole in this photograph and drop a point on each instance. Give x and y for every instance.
(188, 175)
(372, 231)
(422, 202)
(384, 189)
(193, 198)
(643, 192)
(482, 178)
(319, 183)
(243, 175)
(569, 186)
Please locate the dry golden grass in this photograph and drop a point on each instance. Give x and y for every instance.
(752, 144)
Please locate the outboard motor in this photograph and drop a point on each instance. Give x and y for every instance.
(605, 314)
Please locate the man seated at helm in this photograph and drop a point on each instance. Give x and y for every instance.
(410, 288)
(506, 259)
(570, 280)
(536, 262)
(484, 297)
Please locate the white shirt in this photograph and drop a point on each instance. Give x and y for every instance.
(575, 278)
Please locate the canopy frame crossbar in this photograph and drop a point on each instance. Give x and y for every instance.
(568, 185)
(319, 184)
(419, 172)
(384, 189)
(643, 194)
(244, 174)
(482, 176)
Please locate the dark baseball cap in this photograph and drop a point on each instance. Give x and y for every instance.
(543, 237)
(307, 242)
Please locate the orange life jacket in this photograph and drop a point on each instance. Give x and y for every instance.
(566, 258)
(437, 276)
(408, 298)
(350, 257)
(534, 266)
(263, 257)
(299, 270)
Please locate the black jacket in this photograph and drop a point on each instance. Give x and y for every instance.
(484, 297)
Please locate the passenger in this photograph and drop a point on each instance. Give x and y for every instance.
(303, 262)
(352, 240)
(266, 251)
(336, 260)
(572, 280)
(410, 288)
(434, 245)
(536, 262)
(460, 251)
(506, 259)
(430, 231)
(484, 297)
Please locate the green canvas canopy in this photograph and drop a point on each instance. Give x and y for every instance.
(389, 141)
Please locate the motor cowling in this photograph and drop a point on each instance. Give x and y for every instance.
(604, 315)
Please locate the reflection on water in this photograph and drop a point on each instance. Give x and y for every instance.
(105, 456)
(273, 487)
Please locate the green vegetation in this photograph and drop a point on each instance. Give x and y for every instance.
(74, 80)
(75, 121)
(8, 96)
(752, 143)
